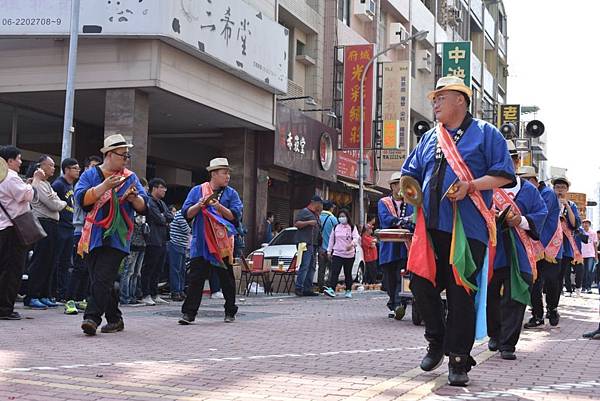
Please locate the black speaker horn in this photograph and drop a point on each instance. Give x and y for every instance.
(420, 128)
(534, 128)
(508, 130)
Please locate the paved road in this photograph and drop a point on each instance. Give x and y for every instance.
(284, 348)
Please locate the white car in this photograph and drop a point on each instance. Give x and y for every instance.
(282, 248)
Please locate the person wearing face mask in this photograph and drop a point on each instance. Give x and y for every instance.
(46, 207)
(343, 241)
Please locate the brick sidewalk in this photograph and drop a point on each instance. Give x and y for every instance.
(284, 349)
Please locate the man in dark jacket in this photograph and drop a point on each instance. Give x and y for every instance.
(158, 218)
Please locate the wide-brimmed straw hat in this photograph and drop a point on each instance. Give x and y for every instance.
(3, 169)
(450, 83)
(395, 177)
(526, 172)
(218, 164)
(512, 150)
(113, 142)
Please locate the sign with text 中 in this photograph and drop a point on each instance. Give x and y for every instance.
(229, 34)
(356, 58)
(456, 60)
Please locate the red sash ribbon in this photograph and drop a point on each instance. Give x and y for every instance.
(501, 201)
(577, 257)
(218, 241)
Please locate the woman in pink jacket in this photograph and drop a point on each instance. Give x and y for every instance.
(343, 241)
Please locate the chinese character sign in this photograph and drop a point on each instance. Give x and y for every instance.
(396, 104)
(456, 60)
(509, 113)
(356, 58)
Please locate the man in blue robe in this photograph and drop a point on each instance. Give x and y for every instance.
(508, 292)
(483, 149)
(393, 212)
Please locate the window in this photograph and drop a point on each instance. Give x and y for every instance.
(300, 48)
(344, 11)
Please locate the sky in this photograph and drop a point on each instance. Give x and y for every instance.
(553, 63)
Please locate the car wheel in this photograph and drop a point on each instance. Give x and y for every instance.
(360, 274)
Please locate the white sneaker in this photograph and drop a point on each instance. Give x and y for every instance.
(578, 292)
(159, 300)
(218, 294)
(148, 300)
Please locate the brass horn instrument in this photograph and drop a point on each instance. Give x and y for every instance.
(410, 189)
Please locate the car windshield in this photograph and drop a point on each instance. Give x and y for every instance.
(286, 237)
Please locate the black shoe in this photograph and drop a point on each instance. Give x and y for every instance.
(399, 312)
(534, 323)
(434, 357)
(554, 318)
(186, 319)
(458, 367)
(298, 293)
(113, 327)
(310, 294)
(592, 334)
(493, 344)
(12, 316)
(508, 355)
(89, 327)
(229, 319)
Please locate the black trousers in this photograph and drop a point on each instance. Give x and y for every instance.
(62, 263)
(41, 265)
(79, 279)
(549, 279)
(199, 272)
(504, 315)
(103, 264)
(324, 263)
(12, 263)
(154, 260)
(457, 332)
(565, 268)
(370, 272)
(337, 263)
(392, 280)
(570, 269)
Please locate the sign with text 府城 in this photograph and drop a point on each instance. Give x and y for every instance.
(356, 58)
(229, 34)
(456, 60)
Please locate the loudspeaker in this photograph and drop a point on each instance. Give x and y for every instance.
(508, 130)
(420, 128)
(534, 128)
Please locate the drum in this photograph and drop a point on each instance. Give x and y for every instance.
(393, 235)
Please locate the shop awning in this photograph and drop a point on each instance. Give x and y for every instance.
(355, 186)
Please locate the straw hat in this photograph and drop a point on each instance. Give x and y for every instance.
(218, 164)
(3, 169)
(395, 177)
(512, 150)
(450, 83)
(526, 172)
(113, 142)
(564, 180)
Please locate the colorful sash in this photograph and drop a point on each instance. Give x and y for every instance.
(577, 257)
(116, 221)
(218, 232)
(391, 207)
(501, 202)
(554, 245)
(462, 171)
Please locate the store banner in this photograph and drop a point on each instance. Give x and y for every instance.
(510, 113)
(356, 58)
(456, 60)
(347, 164)
(396, 104)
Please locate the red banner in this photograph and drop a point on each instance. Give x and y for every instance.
(356, 58)
(347, 164)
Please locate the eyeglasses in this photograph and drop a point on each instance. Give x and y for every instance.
(438, 99)
(125, 156)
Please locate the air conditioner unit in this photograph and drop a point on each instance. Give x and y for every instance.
(456, 14)
(424, 60)
(397, 33)
(364, 9)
